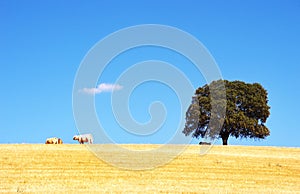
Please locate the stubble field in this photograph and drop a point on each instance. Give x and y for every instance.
(224, 169)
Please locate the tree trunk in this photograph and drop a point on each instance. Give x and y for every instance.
(224, 141)
(225, 137)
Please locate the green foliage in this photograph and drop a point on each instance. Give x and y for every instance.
(246, 111)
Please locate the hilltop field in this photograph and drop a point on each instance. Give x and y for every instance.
(75, 169)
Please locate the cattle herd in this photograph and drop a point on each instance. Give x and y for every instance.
(88, 138)
(84, 138)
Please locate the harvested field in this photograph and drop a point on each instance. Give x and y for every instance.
(224, 169)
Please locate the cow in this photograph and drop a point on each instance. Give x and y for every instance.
(88, 138)
(204, 143)
(54, 140)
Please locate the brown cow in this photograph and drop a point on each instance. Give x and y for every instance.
(54, 140)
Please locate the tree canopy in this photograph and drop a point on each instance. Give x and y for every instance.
(246, 113)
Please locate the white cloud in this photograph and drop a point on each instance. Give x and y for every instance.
(104, 87)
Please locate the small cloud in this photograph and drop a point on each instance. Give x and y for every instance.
(104, 87)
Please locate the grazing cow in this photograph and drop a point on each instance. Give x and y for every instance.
(53, 140)
(204, 143)
(88, 138)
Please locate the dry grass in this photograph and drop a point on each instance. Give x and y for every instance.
(72, 168)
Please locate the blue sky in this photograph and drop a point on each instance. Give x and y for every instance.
(44, 42)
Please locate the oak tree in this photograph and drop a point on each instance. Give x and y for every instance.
(246, 113)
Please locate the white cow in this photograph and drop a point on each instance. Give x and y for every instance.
(88, 138)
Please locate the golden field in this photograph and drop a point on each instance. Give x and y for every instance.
(71, 168)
